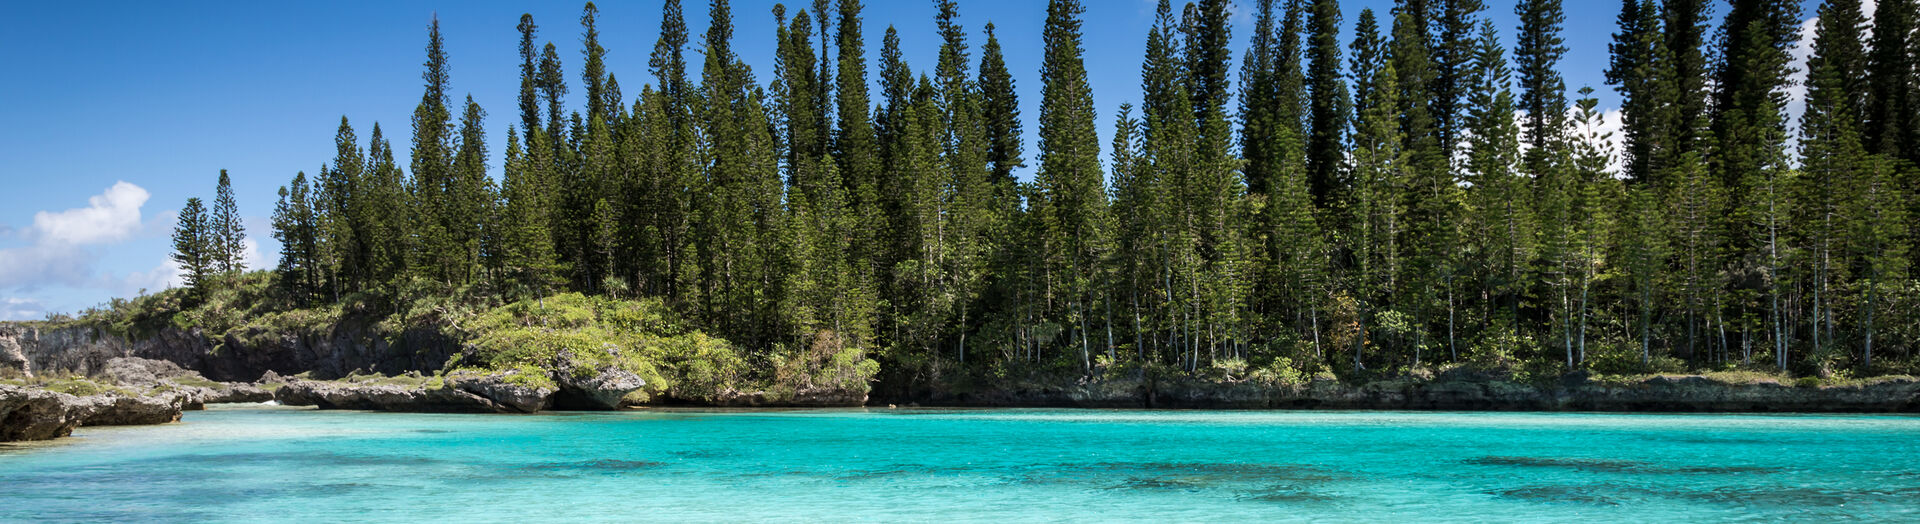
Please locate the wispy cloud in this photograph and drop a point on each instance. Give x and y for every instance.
(27, 268)
(165, 275)
(13, 308)
(58, 252)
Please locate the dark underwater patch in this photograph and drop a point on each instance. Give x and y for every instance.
(1288, 494)
(903, 470)
(1576, 495)
(315, 458)
(1249, 480)
(1157, 483)
(702, 453)
(1615, 466)
(603, 466)
(1609, 466)
(1801, 496)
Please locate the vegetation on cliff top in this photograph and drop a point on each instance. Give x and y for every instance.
(526, 337)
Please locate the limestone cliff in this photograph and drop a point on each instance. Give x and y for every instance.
(239, 356)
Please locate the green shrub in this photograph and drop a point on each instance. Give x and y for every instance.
(701, 366)
(80, 387)
(642, 336)
(1280, 371)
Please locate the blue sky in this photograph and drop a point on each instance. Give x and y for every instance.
(117, 112)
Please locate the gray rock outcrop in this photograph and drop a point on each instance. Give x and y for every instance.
(469, 391)
(122, 410)
(28, 413)
(588, 387)
(34, 414)
(507, 394)
(383, 397)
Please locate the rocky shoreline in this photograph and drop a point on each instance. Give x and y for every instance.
(151, 381)
(1456, 392)
(129, 391)
(494, 394)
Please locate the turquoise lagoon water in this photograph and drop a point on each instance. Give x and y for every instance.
(282, 464)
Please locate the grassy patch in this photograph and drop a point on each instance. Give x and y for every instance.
(81, 387)
(194, 381)
(410, 380)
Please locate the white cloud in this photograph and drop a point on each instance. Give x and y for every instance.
(250, 254)
(1238, 14)
(58, 251)
(167, 274)
(21, 309)
(1610, 131)
(109, 217)
(40, 264)
(164, 276)
(1607, 133)
(162, 223)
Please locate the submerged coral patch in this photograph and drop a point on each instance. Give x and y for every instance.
(1614, 466)
(594, 466)
(1289, 494)
(1583, 495)
(1176, 475)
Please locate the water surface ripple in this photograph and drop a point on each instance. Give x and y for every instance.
(280, 464)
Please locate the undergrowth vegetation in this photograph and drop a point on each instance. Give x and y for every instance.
(522, 342)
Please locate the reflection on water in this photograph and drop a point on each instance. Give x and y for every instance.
(797, 465)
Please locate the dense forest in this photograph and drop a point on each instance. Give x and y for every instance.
(1411, 194)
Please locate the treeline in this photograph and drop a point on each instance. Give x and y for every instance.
(1408, 194)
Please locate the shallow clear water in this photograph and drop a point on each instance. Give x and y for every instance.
(252, 464)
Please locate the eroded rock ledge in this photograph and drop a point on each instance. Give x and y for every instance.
(568, 387)
(28, 413)
(127, 391)
(1464, 391)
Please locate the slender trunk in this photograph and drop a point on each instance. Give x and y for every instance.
(1086, 355)
(962, 347)
(1646, 331)
(1139, 341)
(1817, 296)
(1451, 347)
(1725, 350)
(1359, 342)
(1867, 357)
(1827, 316)
(1420, 330)
(1566, 325)
(1746, 347)
(1193, 348)
(1108, 306)
(1315, 312)
(1583, 322)
(1773, 289)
